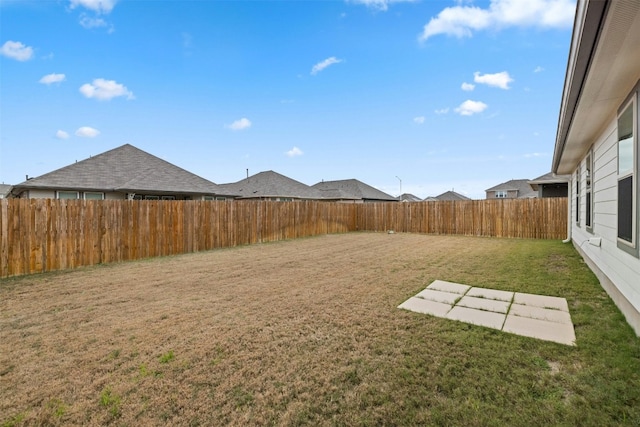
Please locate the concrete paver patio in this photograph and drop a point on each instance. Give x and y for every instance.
(536, 316)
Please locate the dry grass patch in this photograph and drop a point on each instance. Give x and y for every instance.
(307, 332)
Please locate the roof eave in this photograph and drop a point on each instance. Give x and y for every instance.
(590, 16)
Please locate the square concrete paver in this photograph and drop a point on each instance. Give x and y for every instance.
(541, 301)
(439, 296)
(477, 317)
(424, 306)
(484, 304)
(490, 294)
(454, 288)
(534, 316)
(541, 329)
(549, 315)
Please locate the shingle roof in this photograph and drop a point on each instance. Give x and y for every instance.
(408, 197)
(124, 169)
(351, 189)
(550, 178)
(451, 195)
(271, 184)
(521, 185)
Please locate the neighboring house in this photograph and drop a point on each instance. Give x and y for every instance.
(125, 172)
(271, 185)
(353, 191)
(512, 189)
(449, 196)
(551, 185)
(4, 190)
(408, 197)
(597, 144)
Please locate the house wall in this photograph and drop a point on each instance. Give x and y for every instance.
(618, 271)
(51, 194)
(511, 194)
(39, 194)
(114, 196)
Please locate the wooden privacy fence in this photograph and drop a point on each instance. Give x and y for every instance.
(38, 235)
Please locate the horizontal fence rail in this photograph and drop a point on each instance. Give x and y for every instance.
(38, 235)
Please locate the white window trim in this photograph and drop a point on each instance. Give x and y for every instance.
(589, 184)
(577, 194)
(630, 247)
(67, 191)
(84, 195)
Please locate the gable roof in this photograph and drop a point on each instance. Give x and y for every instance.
(408, 197)
(123, 169)
(603, 67)
(451, 195)
(522, 187)
(271, 184)
(351, 189)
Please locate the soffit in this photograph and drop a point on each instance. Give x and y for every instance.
(614, 71)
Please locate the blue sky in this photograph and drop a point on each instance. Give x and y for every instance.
(432, 95)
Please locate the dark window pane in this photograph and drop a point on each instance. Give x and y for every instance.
(625, 209)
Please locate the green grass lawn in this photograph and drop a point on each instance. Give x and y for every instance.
(307, 332)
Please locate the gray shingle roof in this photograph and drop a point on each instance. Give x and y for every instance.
(451, 195)
(271, 184)
(521, 185)
(409, 198)
(351, 189)
(550, 178)
(124, 169)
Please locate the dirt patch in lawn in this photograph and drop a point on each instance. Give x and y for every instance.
(297, 332)
(262, 327)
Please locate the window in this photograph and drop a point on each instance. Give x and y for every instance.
(588, 196)
(168, 197)
(501, 194)
(220, 198)
(93, 196)
(68, 195)
(626, 177)
(577, 181)
(152, 197)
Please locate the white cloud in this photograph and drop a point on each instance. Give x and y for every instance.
(52, 78)
(379, 4)
(538, 69)
(87, 132)
(469, 107)
(88, 22)
(62, 134)
(324, 64)
(295, 151)
(419, 120)
(462, 21)
(442, 111)
(500, 80)
(16, 50)
(99, 6)
(240, 124)
(105, 90)
(468, 87)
